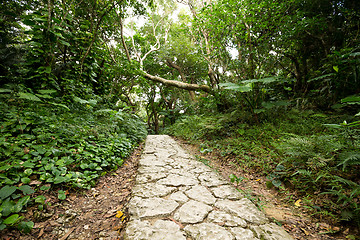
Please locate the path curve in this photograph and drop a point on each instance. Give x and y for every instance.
(178, 198)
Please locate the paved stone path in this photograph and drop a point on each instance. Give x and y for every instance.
(178, 198)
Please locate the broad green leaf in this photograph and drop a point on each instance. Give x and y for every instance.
(25, 180)
(351, 100)
(28, 171)
(3, 90)
(336, 68)
(60, 105)
(61, 195)
(28, 164)
(47, 69)
(26, 226)
(263, 80)
(79, 100)
(5, 167)
(40, 199)
(45, 187)
(58, 34)
(12, 219)
(29, 96)
(6, 191)
(47, 91)
(276, 183)
(64, 43)
(44, 96)
(26, 189)
(7, 207)
(21, 203)
(59, 179)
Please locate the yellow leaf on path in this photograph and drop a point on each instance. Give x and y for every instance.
(297, 203)
(258, 179)
(119, 214)
(306, 232)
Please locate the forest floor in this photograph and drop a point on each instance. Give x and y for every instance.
(100, 213)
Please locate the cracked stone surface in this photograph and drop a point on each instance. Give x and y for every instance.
(179, 198)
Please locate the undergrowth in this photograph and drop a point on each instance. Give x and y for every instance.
(53, 147)
(295, 150)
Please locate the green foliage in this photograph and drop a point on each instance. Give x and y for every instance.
(62, 148)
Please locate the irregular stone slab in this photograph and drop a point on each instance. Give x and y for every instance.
(182, 172)
(151, 207)
(226, 219)
(211, 179)
(149, 177)
(208, 231)
(150, 160)
(201, 194)
(192, 212)
(152, 190)
(271, 231)
(164, 155)
(176, 180)
(227, 192)
(243, 234)
(179, 196)
(152, 169)
(142, 230)
(244, 209)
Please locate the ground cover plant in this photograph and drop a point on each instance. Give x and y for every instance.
(52, 147)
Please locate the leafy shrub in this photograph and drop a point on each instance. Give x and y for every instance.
(43, 147)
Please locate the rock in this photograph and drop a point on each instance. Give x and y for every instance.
(244, 209)
(151, 207)
(211, 179)
(208, 231)
(226, 219)
(192, 212)
(201, 194)
(151, 160)
(179, 196)
(150, 177)
(176, 180)
(243, 234)
(271, 231)
(227, 192)
(152, 190)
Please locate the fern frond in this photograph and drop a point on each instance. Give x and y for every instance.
(349, 159)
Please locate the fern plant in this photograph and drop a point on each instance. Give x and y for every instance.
(348, 159)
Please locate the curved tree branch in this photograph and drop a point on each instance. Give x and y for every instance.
(182, 85)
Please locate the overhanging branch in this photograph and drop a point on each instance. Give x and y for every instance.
(182, 85)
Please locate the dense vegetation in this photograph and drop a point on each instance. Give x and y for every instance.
(272, 84)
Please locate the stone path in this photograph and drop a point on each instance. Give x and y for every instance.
(179, 198)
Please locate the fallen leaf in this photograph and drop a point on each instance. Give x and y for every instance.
(35, 182)
(119, 214)
(306, 232)
(257, 180)
(297, 203)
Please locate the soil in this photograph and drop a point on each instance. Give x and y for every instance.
(101, 212)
